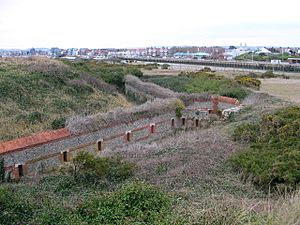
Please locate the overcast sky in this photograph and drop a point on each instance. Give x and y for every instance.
(139, 23)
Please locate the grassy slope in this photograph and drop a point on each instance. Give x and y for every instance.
(33, 97)
(193, 168)
(201, 82)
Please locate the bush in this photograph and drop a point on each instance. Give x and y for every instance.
(135, 203)
(13, 209)
(2, 170)
(248, 81)
(135, 72)
(179, 107)
(234, 92)
(89, 168)
(165, 66)
(58, 123)
(200, 82)
(246, 133)
(268, 74)
(273, 157)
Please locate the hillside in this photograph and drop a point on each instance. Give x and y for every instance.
(239, 170)
(39, 94)
(194, 180)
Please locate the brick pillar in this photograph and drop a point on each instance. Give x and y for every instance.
(215, 104)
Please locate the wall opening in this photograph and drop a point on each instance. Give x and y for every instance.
(173, 122)
(20, 170)
(65, 156)
(183, 121)
(99, 145)
(128, 136)
(152, 128)
(197, 122)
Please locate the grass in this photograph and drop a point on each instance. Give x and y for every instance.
(39, 94)
(279, 56)
(197, 186)
(200, 82)
(286, 89)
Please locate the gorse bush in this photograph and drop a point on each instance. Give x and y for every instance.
(135, 203)
(2, 170)
(58, 123)
(89, 168)
(13, 208)
(234, 92)
(273, 156)
(248, 81)
(201, 82)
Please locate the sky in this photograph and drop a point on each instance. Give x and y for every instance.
(140, 23)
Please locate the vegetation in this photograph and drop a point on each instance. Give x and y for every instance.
(248, 81)
(2, 170)
(200, 82)
(165, 66)
(110, 73)
(39, 94)
(263, 57)
(95, 195)
(273, 156)
(89, 168)
(179, 107)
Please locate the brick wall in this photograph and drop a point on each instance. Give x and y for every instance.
(36, 154)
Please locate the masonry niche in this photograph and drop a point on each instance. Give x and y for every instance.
(128, 136)
(152, 128)
(197, 122)
(19, 170)
(100, 145)
(173, 122)
(65, 156)
(183, 121)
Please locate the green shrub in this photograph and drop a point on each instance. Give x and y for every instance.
(179, 107)
(272, 158)
(58, 123)
(35, 117)
(14, 209)
(234, 92)
(135, 203)
(246, 133)
(94, 169)
(2, 170)
(135, 72)
(165, 66)
(200, 82)
(268, 74)
(248, 81)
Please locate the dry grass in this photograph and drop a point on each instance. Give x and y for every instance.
(30, 86)
(286, 89)
(79, 124)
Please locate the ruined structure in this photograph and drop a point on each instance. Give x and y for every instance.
(148, 122)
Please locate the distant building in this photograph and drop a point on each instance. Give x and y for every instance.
(294, 60)
(263, 51)
(196, 55)
(55, 52)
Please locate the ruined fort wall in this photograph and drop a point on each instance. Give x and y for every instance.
(41, 158)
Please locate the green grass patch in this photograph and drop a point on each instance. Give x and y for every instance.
(200, 82)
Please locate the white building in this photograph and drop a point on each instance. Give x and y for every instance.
(263, 51)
